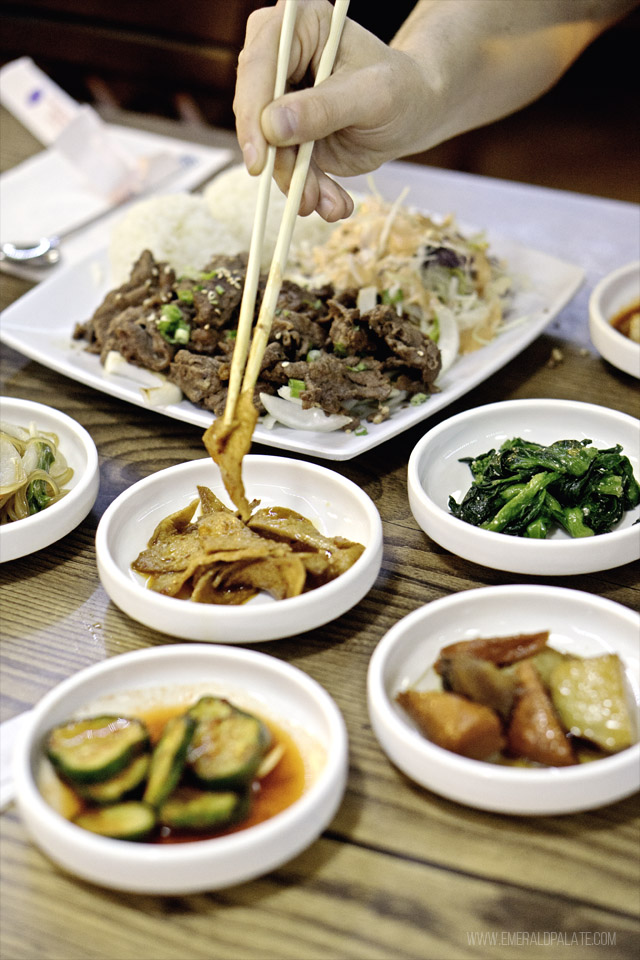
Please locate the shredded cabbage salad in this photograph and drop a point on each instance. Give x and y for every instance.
(447, 283)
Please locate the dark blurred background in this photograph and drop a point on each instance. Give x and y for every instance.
(177, 60)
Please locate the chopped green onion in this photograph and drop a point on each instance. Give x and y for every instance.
(172, 312)
(418, 398)
(185, 295)
(313, 354)
(219, 289)
(390, 298)
(173, 327)
(361, 432)
(38, 495)
(296, 386)
(360, 366)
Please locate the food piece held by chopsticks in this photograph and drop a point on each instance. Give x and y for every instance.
(227, 444)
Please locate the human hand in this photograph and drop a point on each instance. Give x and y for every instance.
(453, 65)
(352, 117)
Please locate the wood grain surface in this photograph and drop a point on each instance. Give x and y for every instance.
(400, 873)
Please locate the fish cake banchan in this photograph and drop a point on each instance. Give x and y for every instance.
(219, 558)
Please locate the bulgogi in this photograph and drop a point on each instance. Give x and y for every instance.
(339, 358)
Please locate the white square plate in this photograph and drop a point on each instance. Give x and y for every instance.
(41, 323)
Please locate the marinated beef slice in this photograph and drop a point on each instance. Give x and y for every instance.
(341, 357)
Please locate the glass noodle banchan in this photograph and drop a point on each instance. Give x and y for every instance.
(33, 471)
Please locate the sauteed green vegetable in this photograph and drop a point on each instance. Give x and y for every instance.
(526, 489)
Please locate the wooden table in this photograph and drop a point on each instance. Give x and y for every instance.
(400, 873)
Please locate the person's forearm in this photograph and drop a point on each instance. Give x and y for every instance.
(483, 59)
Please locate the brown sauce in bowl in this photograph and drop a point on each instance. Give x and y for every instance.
(627, 321)
(278, 790)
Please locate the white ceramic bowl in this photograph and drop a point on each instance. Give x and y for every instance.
(22, 537)
(274, 689)
(616, 292)
(435, 473)
(578, 622)
(336, 506)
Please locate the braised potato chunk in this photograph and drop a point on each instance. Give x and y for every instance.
(480, 681)
(455, 723)
(534, 731)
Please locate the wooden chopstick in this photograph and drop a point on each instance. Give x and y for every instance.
(274, 280)
(248, 303)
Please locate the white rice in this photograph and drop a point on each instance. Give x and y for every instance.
(187, 230)
(231, 198)
(177, 228)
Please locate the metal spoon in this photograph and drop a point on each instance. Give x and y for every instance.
(44, 253)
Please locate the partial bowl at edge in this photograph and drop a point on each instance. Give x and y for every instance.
(23, 537)
(617, 291)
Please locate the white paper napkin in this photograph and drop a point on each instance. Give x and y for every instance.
(46, 195)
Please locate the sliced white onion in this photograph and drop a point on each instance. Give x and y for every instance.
(14, 431)
(267, 421)
(367, 298)
(30, 459)
(292, 415)
(448, 340)
(11, 468)
(162, 395)
(115, 365)
(285, 393)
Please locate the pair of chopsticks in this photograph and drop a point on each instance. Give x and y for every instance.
(243, 378)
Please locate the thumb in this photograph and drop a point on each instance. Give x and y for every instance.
(314, 113)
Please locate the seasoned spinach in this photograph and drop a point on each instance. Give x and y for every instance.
(526, 489)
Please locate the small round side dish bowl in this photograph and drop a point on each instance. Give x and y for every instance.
(578, 623)
(616, 292)
(435, 473)
(334, 504)
(172, 674)
(22, 537)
